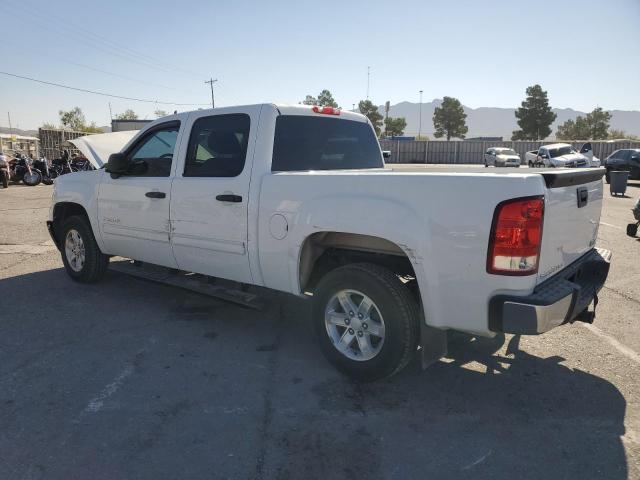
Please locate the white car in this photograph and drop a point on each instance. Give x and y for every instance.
(557, 155)
(297, 199)
(501, 157)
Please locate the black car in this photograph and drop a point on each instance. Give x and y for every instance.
(624, 159)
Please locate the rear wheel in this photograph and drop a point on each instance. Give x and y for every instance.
(366, 320)
(32, 179)
(607, 178)
(82, 258)
(5, 179)
(632, 229)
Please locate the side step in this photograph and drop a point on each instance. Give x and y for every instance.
(188, 281)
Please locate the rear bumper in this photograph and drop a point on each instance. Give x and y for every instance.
(558, 300)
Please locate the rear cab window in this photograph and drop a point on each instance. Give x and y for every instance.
(305, 143)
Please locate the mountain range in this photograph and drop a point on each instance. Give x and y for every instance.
(498, 122)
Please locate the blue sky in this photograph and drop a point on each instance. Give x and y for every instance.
(586, 53)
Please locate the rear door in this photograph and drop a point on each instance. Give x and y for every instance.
(573, 203)
(210, 194)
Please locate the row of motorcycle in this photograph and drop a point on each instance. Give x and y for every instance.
(31, 172)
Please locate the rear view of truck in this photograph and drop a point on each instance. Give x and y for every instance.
(552, 236)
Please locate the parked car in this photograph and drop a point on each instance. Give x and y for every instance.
(297, 199)
(560, 155)
(501, 157)
(627, 159)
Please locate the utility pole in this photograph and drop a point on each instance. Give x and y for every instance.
(420, 117)
(10, 129)
(110, 112)
(211, 81)
(368, 75)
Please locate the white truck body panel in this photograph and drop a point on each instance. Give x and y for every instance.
(441, 221)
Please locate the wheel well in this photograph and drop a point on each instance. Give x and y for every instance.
(64, 210)
(325, 251)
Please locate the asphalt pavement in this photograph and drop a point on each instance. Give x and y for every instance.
(128, 379)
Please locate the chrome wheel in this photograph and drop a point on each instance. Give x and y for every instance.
(354, 325)
(74, 250)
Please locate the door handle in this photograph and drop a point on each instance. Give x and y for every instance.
(155, 194)
(229, 198)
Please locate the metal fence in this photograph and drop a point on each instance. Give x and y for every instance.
(435, 151)
(53, 141)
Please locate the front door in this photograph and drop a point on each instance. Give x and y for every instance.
(210, 194)
(133, 209)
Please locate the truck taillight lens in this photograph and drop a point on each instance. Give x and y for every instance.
(516, 236)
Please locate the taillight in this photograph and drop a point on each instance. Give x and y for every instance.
(326, 110)
(516, 236)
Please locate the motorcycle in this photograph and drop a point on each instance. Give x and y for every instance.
(21, 169)
(42, 166)
(4, 172)
(80, 163)
(62, 165)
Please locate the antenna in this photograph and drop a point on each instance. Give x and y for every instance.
(368, 75)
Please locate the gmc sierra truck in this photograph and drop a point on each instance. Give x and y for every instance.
(298, 199)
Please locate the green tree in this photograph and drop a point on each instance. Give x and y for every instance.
(394, 126)
(73, 119)
(127, 115)
(324, 99)
(160, 113)
(369, 110)
(534, 116)
(593, 126)
(449, 119)
(48, 126)
(613, 133)
(598, 122)
(92, 128)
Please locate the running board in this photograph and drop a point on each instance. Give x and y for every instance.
(193, 282)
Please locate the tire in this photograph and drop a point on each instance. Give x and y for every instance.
(5, 180)
(91, 265)
(485, 164)
(394, 313)
(607, 178)
(47, 180)
(32, 180)
(632, 229)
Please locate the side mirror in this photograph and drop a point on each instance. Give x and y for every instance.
(386, 154)
(635, 157)
(544, 155)
(117, 165)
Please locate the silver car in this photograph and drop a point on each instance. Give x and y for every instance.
(501, 157)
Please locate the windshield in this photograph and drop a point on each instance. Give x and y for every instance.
(506, 151)
(558, 152)
(317, 143)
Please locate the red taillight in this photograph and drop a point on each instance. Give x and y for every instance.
(516, 236)
(326, 110)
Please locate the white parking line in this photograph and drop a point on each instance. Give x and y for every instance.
(623, 349)
(97, 403)
(612, 226)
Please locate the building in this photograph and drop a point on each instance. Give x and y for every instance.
(124, 125)
(10, 144)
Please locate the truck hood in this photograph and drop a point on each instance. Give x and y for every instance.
(97, 148)
(570, 157)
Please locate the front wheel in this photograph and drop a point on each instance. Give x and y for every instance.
(366, 321)
(47, 180)
(5, 179)
(32, 179)
(82, 258)
(607, 178)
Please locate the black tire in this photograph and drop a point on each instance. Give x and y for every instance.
(5, 180)
(607, 178)
(95, 262)
(47, 180)
(632, 229)
(32, 180)
(397, 307)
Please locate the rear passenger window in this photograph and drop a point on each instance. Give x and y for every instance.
(218, 146)
(316, 143)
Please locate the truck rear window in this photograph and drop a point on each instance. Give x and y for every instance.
(316, 143)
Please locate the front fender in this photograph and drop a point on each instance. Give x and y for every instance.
(81, 188)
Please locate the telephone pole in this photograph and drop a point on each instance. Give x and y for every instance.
(211, 81)
(420, 117)
(368, 75)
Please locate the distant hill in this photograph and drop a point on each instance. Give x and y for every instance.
(499, 122)
(17, 131)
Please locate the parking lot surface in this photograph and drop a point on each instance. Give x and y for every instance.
(134, 380)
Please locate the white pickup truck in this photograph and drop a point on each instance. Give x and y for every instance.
(298, 199)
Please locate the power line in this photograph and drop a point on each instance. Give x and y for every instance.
(99, 93)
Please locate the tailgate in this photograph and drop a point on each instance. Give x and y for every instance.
(571, 218)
